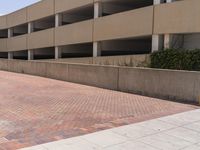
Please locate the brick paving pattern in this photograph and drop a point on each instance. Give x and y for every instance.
(36, 110)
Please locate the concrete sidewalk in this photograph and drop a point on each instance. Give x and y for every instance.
(175, 132)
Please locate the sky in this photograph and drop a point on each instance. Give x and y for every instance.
(8, 6)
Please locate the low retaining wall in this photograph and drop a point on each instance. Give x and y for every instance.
(168, 84)
(127, 60)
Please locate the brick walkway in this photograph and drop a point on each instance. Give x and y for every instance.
(35, 110)
(175, 132)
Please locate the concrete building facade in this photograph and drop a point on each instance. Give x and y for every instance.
(78, 28)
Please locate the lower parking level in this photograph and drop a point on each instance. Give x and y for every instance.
(36, 110)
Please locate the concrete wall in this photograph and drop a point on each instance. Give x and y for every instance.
(17, 18)
(40, 10)
(75, 33)
(173, 85)
(65, 5)
(3, 22)
(177, 17)
(133, 23)
(101, 76)
(17, 43)
(128, 60)
(43, 38)
(3, 45)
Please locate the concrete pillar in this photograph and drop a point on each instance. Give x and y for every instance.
(58, 20)
(169, 1)
(58, 52)
(157, 2)
(10, 32)
(96, 49)
(167, 41)
(97, 13)
(157, 42)
(10, 55)
(30, 27)
(98, 10)
(30, 54)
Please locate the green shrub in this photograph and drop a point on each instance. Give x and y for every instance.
(176, 59)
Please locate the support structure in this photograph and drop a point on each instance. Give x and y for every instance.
(157, 2)
(98, 11)
(20, 38)
(58, 52)
(30, 27)
(168, 37)
(169, 1)
(10, 34)
(58, 22)
(30, 52)
(157, 40)
(10, 55)
(96, 49)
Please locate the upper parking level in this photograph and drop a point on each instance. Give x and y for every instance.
(40, 10)
(78, 10)
(46, 8)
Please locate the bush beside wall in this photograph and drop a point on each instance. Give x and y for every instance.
(176, 59)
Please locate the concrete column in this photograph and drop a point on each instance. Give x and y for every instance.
(10, 32)
(58, 52)
(167, 41)
(98, 9)
(169, 1)
(96, 49)
(157, 2)
(30, 54)
(30, 27)
(10, 55)
(97, 13)
(58, 20)
(157, 42)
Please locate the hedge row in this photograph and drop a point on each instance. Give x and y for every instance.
(176, 59)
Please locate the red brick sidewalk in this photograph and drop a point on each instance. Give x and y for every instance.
(35, 110)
